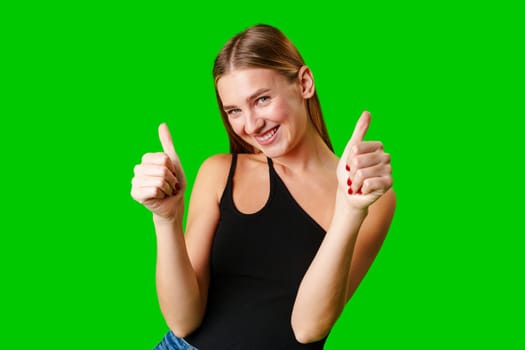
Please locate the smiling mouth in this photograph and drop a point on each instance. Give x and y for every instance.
(267, 135)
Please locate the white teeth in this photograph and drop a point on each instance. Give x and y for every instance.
(268, 135)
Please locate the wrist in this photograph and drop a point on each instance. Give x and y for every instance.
(344, 211)
(350, 212)
(160, 220)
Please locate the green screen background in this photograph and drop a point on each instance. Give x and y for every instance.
(85, 85)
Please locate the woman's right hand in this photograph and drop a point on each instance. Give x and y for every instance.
(159, 180)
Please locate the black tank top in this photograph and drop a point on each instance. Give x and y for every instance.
(257, 263)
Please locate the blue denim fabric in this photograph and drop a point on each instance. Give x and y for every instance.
(172, 342)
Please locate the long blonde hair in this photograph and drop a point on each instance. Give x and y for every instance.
(264, 46)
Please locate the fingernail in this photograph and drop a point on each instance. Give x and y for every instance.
(359, 191)
(349, 182)
(350, 191)
(347, 167)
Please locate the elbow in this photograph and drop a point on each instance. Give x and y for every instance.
(183, 322)
(182, 330)
(183, 327)
(309, 333)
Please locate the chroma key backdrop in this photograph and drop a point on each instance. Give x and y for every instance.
(85, 85)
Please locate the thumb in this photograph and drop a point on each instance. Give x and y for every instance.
(359, 132)
(167, 142)
(169, 149)
(361, 128)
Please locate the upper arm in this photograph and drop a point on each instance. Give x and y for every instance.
(370, 238)
(203, 216)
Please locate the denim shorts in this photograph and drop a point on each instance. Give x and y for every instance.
(172, 342)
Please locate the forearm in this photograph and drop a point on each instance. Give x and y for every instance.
(177, 286)
(322, 294)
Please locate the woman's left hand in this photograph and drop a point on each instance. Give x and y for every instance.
(364, 172)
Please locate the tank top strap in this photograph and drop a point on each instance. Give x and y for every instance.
(274, 180)
(227, 195)
(270, 163)
(273, 174)
(232, 168)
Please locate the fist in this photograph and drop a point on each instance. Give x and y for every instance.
(364, 172)
(159, 181)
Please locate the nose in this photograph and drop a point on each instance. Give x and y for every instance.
(253, 124)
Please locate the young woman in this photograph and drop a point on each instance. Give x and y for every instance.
(281, 231)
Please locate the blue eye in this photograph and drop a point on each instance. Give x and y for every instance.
(262, 99)
(233, 112)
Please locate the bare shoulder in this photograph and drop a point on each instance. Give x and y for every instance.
(377, 223)
(385, 205)
(380, 216)
(213, 173)
(216, 162)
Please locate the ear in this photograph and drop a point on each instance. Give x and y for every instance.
(306, 82)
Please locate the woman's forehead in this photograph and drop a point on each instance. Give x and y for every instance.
(248, 76)
(242, 83)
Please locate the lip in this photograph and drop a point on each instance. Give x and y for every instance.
(264, 140)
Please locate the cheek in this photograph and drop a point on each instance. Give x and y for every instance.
(279, 113)
(289, 113)
(236, 125)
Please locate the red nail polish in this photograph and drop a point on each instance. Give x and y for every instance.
(359, 191)
(349, 182)
(347, 167)
(350, 191)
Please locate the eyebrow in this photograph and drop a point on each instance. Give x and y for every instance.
(252, 96)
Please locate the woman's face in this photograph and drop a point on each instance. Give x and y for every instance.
(264, 108)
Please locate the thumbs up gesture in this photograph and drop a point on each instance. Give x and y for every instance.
(159, 180)
(364, 172)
